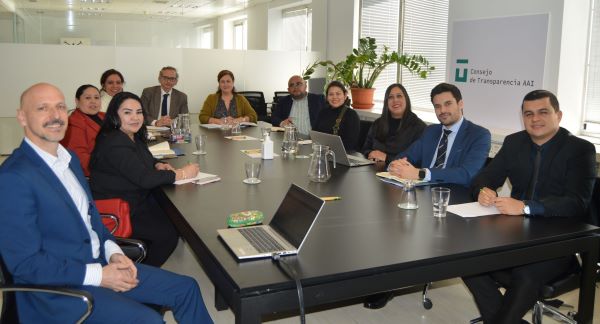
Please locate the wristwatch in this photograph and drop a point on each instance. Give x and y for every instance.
(526, 209)
(422, 174)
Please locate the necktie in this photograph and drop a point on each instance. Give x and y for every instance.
(441, 150)
(163, 110)
(536, 171)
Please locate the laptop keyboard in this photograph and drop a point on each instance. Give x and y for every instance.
(260, 239)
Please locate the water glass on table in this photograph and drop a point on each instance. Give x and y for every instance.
(236, 128)
(252, 172)
(440, 197)
(200, 141)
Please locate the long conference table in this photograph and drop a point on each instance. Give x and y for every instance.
(360, 245)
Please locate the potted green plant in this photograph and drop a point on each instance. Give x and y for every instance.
(361, 68)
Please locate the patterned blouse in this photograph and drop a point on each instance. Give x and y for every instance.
(221, 110)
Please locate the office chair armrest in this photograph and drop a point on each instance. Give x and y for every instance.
(85, 296)
(113, 218)
(139, 246)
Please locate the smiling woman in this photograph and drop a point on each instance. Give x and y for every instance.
(122, 167)
(84, 124)
(337, 118)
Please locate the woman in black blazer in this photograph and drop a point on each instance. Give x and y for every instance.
(396, 129)
(121, 166)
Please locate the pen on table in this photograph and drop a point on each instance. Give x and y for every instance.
(331, 198)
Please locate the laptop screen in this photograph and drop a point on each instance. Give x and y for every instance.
(296, 214)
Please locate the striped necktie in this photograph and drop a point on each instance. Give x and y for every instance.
(441, 150)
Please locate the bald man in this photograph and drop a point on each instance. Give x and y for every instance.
(51, 233)
(299, 108)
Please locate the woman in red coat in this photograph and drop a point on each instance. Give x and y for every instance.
(84, 124)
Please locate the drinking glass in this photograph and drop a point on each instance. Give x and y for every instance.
(236, 129)
(440, 197)
(200, 141)
(252, 172)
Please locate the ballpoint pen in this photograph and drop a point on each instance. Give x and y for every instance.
(331, 198)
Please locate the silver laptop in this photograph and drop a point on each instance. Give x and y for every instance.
(286, 232)
(337, 146)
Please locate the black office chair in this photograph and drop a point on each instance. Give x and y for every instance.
(9, 310)
(278, 95)
(547, 303)
(365, 126)
(257, 101)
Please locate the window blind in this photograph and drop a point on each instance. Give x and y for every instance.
(592, 88)
(296, 29)
(380, 19)
(425, 25)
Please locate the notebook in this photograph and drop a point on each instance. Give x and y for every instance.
(337, 146)
(286, 232)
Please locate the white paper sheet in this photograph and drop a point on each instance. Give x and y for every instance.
(201, 178)
(473, 209)
(210, 126)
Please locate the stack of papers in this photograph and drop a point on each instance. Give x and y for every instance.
(201, 178)
(389, 178)
(151, 128)
(210, 126)
(162, 150)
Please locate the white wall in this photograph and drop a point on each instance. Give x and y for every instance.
(71, 66)
(258, 27)
(341, 28)
(567, 34)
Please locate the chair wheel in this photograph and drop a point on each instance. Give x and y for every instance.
(427, 303)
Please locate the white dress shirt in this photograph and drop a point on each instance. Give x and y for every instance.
(60, 166)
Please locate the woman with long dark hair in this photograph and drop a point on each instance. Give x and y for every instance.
(396, 129)
(123, 167)
(337, 117)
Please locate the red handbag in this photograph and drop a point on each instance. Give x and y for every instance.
(118, 208)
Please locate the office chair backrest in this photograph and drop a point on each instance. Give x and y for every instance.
(8, 313)
(278, 95)
(365, 125)
(593, 216)
(257, 101)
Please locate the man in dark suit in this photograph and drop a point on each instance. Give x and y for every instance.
(299, 108)
(163, 103)
(450, 152)
(51, 233)
(552, 174)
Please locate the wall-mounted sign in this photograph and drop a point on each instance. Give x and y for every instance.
(495, 62)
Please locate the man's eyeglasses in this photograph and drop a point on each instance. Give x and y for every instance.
(295, 85)
(169, 79)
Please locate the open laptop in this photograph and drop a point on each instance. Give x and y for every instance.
(337, 146)
(286, 232)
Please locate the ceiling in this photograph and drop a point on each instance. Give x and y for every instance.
(160, 9)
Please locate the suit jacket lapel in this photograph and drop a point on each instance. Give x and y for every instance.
(458, 143)
(431, 150)
(155, 111)
(551, 152)
(48, 175)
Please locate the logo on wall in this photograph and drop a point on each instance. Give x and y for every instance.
(464, 76)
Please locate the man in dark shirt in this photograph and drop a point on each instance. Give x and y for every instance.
(552, 174)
